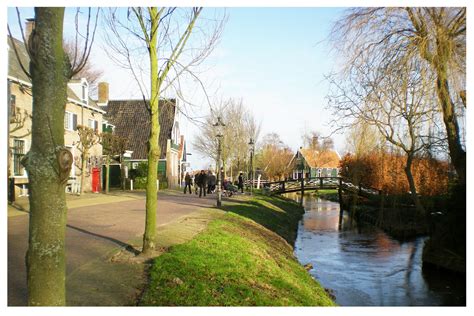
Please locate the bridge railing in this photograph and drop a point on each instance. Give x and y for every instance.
(293, 185)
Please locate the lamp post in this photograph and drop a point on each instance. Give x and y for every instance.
(219, 126)
(252, 149)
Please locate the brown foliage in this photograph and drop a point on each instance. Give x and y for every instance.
(385, 171)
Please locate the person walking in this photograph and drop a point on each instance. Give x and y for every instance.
(241, 182)
(212, 182)
(187, 183)
(197, 181)
(209, 179)
(203, 183)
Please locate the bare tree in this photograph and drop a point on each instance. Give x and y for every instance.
(363, 138)
(90, 71)
(48, 162)
(436, 35)
(274, 157)
(395, 99)
(240, 127)
(164, 36)
(112, 145)
(88, 138)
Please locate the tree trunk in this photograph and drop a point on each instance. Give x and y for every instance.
(153, 143)
(48, 162)
(456, 151)
(83, 170)
(414, 194)
(107, 174)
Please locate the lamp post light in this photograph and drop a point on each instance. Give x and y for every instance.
(219, 134)
(252, 150)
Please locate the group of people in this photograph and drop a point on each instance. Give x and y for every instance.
(205, 183)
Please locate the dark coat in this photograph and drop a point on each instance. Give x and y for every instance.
(198, 179)
(204, 178)
(187, 179)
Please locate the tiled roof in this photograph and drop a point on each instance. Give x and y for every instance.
(15, 70)
(320, 159)
(132, 121)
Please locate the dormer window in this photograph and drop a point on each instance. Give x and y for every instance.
(85, 93)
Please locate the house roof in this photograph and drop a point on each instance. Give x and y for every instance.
(320, 159)
(132, 121)
(16, 72)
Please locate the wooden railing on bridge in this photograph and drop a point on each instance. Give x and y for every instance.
(318, 183)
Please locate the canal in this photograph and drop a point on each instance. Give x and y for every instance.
(363, 266)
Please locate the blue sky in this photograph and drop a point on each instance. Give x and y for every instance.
(274, 59)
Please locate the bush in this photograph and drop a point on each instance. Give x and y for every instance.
(139, 183)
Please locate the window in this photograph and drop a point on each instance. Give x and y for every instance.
(70, 121)
(84, 96)
(18, 153)
(93, 124)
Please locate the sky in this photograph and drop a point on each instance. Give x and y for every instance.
(274, 59)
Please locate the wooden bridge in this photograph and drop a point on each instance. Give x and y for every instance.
(318, 183)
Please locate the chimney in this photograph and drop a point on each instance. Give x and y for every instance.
(29, 27)
(103, 88)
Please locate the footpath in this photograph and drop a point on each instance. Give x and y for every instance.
(103, 235)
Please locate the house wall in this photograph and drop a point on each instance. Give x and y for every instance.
(23, 102)
(71, 140)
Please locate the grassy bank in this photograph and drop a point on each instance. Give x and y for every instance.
(243, 258)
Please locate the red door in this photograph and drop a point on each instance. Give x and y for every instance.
(95, 180)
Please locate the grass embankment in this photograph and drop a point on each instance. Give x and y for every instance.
(243, 258)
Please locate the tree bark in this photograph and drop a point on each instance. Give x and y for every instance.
(414, 193)
(107, 174)
(48, 162)
(153, 144)
(457, 153)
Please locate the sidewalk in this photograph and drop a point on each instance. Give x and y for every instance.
(103, 234)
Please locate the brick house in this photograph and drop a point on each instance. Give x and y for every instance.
(131, 119)
(80, 110)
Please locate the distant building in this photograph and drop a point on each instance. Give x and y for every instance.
(131, 119)
(309, 163)
(80, 110)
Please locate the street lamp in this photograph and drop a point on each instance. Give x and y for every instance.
(219, 134)
(252, 150)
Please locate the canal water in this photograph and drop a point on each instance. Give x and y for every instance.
(363, 266)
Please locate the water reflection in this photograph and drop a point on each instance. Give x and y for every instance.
(364, 266)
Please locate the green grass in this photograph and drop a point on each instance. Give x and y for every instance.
(241, 259)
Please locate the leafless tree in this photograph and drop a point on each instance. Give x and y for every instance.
(434, 35)
(274, 157)
(159, 46)
(88, 138)
(240, 127)
(112, 145)
(395, 99)
(90, 71)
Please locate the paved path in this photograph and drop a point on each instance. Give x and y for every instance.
(93, 232)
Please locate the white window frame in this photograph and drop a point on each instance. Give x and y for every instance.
(69, 121)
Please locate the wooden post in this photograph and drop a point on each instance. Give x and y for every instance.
(321, 182)
(283, 186)
(302, 186)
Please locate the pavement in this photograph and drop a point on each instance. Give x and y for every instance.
(103, 235)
